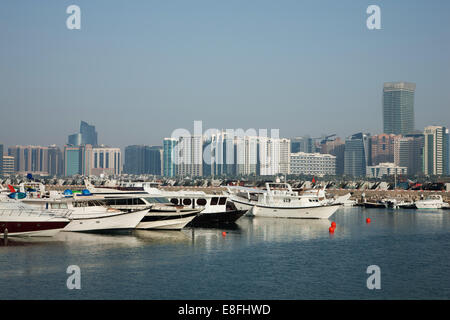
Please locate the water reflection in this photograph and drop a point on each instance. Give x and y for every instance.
(278, 229)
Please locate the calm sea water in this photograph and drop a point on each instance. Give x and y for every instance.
(260, 258)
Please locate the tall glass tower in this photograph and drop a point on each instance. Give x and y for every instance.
(88, 134)
(398, 107)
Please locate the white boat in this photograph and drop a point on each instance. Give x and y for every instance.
(432, 202)
(22, 220)
(212, 209)
(345, 200)
(90, 213)
(165, 217)
(279, 201)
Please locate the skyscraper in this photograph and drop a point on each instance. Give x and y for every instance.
(87, 135)
(398, 107)
(188, 156)
(408, 152)
(1, 159)
(30, 159)
(246, 151)
(55, 161)
(142, 160)
(435, 153)
(77, 160)
(168, 161)
(357, 154)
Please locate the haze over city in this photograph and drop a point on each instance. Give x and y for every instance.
(138, 71)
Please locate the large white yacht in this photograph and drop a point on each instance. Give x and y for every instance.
(432, 202)
(89, 213)
(22, 220)
(279, 201)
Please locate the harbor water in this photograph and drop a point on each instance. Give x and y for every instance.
(257, 258)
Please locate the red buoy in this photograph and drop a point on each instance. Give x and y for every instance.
(224, 233)
(367, 220)
(333, 224)
(331, 229)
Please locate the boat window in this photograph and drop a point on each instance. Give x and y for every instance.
(158, 200)
(174, 201)
(63, 205)
(222, 201)
(214, 201)
(55, 206)
(201, 202)
(121, 202)
(187, 202)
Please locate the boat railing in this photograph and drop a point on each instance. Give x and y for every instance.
(31, 212)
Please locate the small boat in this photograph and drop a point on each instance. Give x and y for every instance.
(432, 202)
(378, 204)
(22, 220)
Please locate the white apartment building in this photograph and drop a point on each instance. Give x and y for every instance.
(188, 156)
(246, 149)
(274, 156)
(312, 164)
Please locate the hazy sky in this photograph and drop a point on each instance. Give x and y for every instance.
(139, 69)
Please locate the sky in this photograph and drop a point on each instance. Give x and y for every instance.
(138, 70)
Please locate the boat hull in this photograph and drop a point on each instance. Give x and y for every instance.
(124, 220)
(166, 220)
(318, 212)
(33, 228)
(214, 218)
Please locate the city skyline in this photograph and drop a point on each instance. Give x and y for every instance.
(217, 63)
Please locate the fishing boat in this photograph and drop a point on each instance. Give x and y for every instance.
(279, 201)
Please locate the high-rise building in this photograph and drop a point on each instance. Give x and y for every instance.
(188, 156)
(274, 156)
(285, 156)
(87, 135)
(142, 160)
(398, 107)
(336, 148)
(222, 154)
(105, 160)
(357, 154)
(246, 151)
(8, 165)
(1, 158)
(55, 161)
(383, 148)
(312, 164)
(168, 157)
(30, 159)
(75, 139)
(303, 144)
(435, 154)
(408, 152)
(77, 160)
